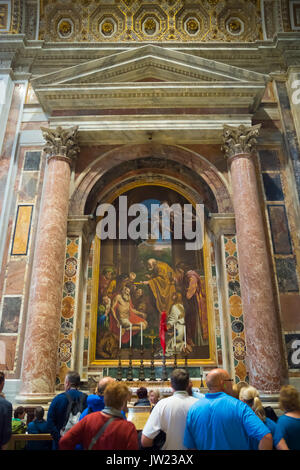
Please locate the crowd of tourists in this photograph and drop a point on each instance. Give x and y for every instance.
(226, 418)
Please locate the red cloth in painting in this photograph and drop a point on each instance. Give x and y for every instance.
(133, 318)
(162, 330)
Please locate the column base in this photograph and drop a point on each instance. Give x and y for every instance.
(271, 399)
(34, 398)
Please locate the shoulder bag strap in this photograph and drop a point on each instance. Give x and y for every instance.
(99, 433)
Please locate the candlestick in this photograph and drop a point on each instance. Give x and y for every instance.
(141, 334)
(129, 372)
(185, 360)
(141, 371)
(152, 368)
(120, 341)
(164, 370)
(130, 343)
(184, 336)
(201, 376)
(119, 374)
(175, 359)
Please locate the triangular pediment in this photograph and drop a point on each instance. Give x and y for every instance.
(144, 63)
(148, 76)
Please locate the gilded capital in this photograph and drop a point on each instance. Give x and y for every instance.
(61, 142)
(239, 140)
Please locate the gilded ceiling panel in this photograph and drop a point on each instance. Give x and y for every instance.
(138, 20)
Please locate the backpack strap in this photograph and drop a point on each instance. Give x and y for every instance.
(100, 432)
(68, 410)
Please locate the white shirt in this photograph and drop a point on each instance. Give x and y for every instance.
(169, 415)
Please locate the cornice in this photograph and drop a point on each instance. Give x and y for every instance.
(277, 52)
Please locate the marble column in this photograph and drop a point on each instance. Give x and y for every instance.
(40, 353)
(262, 331)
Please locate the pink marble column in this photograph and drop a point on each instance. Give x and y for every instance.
(263, 339)
(43, 324)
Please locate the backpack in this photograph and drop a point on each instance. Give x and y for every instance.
(74, 410)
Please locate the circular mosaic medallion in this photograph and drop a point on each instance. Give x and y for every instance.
(65, 349)
(235, 306)
(66, 327)
(67, 307)
(239, 349)
(69, 287)
(70, 267)
(232, 265)
(237, 326)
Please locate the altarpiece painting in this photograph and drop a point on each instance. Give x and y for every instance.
(134, 281)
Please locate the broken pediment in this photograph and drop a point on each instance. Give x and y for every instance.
(145, 74)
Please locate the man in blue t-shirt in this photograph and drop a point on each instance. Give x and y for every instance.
(221, 422)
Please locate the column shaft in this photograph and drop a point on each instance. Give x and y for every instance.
(262, 331)
(40, 353)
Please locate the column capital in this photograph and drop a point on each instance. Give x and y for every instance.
(61, 143)
(239, 140)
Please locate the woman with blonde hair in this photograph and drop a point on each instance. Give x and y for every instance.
(154, 397)
(288, 424)
(250, 396)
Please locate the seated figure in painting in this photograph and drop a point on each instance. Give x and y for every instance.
(124, 315)
(176, 317)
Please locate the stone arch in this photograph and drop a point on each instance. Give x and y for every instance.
(187, 166)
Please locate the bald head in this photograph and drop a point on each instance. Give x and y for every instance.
(102, 384)
(218, 380)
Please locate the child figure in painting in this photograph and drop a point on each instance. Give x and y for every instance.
(176, 318)
(104, 310)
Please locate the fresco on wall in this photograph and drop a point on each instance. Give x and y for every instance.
(139, 279)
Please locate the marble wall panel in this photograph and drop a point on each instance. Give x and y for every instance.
(15, 273)
(280, 233)
(32, 161)
(11, 309)
(273, 187)
(15, 276)
(9, 137)
(287, 274)
(7, 352)
(21, 234)
(289, 131)
(29, 186)
(269, 160)
(290, 309)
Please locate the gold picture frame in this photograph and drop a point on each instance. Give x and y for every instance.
(212, 359)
